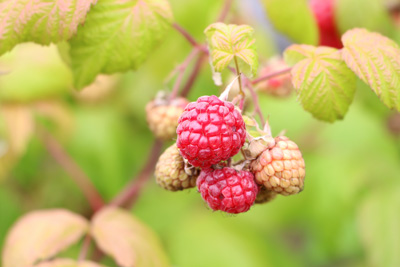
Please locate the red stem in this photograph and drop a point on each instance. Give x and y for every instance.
(130, 194)
(225, 10)
(193, 76)
(181, 71)
(75, 172)
(185, 34)
(255, 100)
(271, 75)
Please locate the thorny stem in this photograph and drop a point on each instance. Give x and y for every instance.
(239, 75)
(181, 70)
(271, 75)
(225, 10)
(130, 194)
(75, 172)
(85, 248)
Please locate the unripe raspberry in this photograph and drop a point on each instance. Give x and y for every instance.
(264, 195)
(281, 85)
(163, 117)
(170, 171)
(210, 130)
(227, 190)
(324, 13)
(281, 168)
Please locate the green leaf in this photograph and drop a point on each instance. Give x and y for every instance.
(40, 235)
(118, 36)
(293, 18)
(40, 21)
(375, 59)
(68, 263)
(131, 243)
(227, 42)
(325, 85)
(378, 223)
(373, 16)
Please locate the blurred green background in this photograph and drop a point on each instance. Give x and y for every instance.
(348, 214)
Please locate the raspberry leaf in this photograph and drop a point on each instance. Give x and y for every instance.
(68, 263)
(117, 36)
(41, 235)
(294, 19)
(324, 83)
(131, 243)
(229, 41)
(375, 59)
(40, 21)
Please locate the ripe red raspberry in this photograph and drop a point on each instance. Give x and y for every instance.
(227, 189)
(324, 13)
(210, 130)
(162, 116)
(281, 168)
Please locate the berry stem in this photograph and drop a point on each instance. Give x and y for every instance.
(129, 195)
(239, 75)
(193, 75)
(185, 34)
(85, 248)
(75, 172)
(255, 101)
(271, 75)
(225, 10)
(181, 72)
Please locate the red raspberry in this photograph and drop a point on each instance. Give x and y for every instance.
(324, 12)
(210, 130)
(227, 189)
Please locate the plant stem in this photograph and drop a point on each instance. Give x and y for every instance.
(130, 194)
(85, 247)
(193, 75)
(75, 172)
(185, 34)
(255, 101)
(240, 76)
(181, 71)
(225, 10)
(271, 75)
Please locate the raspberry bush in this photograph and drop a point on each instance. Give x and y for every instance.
(206, 105)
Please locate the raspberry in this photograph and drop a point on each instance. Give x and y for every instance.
(277, 86)
(170, 171)
(264, 195)
(210, 130)
(281, 168)
(227, 189)
(324, 13)
(162, 117)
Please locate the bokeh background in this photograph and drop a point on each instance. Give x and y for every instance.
(348, 214)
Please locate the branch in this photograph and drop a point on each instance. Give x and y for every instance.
(193, 76)
(85, 248)
(225, 10)
(271, 75)
(75, 172)
(255, 100)
(181, 71)
(185, 34)
(130, 194)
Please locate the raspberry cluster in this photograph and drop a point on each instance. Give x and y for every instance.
(210, 132)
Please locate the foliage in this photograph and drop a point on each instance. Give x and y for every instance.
(347, 213)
